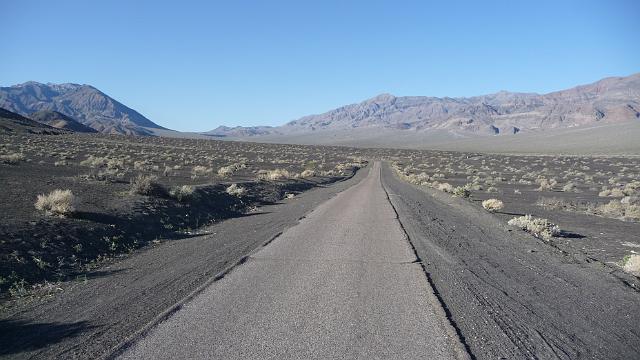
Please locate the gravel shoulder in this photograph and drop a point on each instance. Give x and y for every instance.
(511, 295)
(93, 315)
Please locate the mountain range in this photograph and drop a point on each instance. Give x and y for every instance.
(382, 120)
(611, 99)
(82, 103)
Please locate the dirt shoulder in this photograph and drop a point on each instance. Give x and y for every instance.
(95, 314)
(511, 295)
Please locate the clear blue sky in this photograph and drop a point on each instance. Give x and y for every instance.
(193, 65)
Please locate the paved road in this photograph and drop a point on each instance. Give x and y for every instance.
(342, 284)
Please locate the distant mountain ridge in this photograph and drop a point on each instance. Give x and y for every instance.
(12, 123)
(83, 103)
(611, 99)
(60, 121)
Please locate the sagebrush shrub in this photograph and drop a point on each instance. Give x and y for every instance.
(145, 185)
(461, 191)
(277, 174)
(182, 193)
(236, 190)
(58, 202)
(539, 227)
(226, 171)
(492, 205)
(308, 173)
(446, 187)
(631, 264)
(12, 159)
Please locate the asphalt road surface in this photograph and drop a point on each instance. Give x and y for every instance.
(344, 283)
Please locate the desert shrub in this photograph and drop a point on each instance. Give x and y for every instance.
(272, 175)
(226, 171)
(569, 187)
(461, 191)
(58, 202)
(631, 200)
(545, 184)
(492, 205)
(631, 188)
(492, 189)
(539, 227)
(115, 164)
(416, 179)
(553, 203)
(12, 159)
(446, 187)
(631, 264)
(308, 173)
(625, 209)
(200, 170)
(140, 165)
(182, 193)
(145, 185)
(236, 190)
(94, 161)
(615, 192)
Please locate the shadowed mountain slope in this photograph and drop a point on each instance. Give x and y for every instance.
(60, 121)
(83, 103)
(11, 122)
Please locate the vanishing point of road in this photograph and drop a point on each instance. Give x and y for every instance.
(342, 284)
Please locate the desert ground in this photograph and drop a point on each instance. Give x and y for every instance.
(151, 247)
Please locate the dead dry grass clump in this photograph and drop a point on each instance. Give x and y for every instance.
(539, 227)
(493, 205)
(58, 202)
